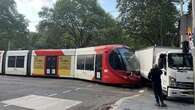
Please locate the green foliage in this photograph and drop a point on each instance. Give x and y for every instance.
(34, 41)
(13, 26)
(77, 23)
(149, 22)
(190, 7)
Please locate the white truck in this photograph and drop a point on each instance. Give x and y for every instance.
(177, 77)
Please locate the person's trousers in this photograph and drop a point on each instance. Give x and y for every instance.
(158, 93)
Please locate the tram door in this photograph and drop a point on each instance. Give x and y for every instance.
(51, 65)
(98, 67)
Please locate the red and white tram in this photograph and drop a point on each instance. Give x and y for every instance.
(112, 64)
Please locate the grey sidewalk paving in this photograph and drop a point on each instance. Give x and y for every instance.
(145, 101)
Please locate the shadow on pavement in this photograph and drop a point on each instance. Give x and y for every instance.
(182, 100)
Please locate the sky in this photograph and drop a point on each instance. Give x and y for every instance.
(30, 9)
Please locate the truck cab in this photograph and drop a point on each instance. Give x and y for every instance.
(177, 77)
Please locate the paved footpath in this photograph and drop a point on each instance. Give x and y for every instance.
(145, 101)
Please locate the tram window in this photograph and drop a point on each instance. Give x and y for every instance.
(116, 61)
(11, 61)
(89, 65)
(16, 61)
(20, 62)
(51, 61)
(80, 62)
(98, 63)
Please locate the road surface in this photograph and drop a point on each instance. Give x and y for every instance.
(27, 93)
(24, 93)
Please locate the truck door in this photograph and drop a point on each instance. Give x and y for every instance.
(162, 62)
(51, 65)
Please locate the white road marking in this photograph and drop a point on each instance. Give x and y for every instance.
(51, 95)
(36, 102)
(6, 105)
(151, 95)
(77, 89)
(64, 92)
(131, 97)
(116, 105)
(90, 85)
(141, 91)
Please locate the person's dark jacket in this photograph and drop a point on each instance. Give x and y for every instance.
(154, 75)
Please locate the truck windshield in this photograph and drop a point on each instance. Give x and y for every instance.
(129, 59)
(180, 60)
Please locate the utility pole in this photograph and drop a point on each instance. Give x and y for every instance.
(193, 32)
(181, 6)
(9, 43)
(182, 21)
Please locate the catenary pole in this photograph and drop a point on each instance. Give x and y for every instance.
(9, 43)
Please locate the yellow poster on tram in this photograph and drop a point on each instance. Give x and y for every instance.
(64, 66)
(39, 65)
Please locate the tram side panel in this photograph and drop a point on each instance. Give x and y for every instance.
(37, 65)
(54, 63)
(64, 66)
(66, 63)
(16, 62)
(85, 63)
(1, 61)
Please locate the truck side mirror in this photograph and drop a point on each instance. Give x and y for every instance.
(164, 71)
(162, 61)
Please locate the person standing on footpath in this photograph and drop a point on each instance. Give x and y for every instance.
(155, 77)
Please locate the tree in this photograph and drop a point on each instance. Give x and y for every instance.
(13, 26)
(148, 22)
(78, 23)
(189, 7)
(34, 41)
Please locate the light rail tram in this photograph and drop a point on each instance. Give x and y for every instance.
(111, 64)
